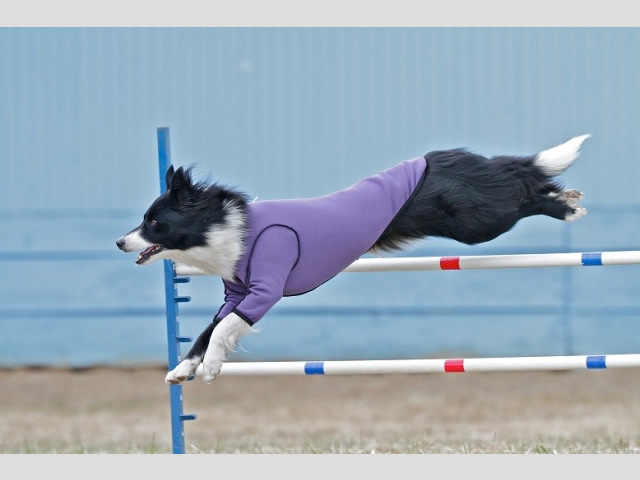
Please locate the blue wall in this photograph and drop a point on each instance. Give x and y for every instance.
(288, 112)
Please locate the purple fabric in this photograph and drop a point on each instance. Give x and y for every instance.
(293, 246)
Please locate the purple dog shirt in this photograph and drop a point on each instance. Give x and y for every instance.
(293, 246)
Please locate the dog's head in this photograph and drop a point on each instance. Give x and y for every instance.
(181, 219)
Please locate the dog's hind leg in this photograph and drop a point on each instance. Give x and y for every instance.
(187, 367)
(562, 205)
(571, 199)
(578, 212)
(553, 162)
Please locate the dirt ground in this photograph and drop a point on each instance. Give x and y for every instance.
(107, 410)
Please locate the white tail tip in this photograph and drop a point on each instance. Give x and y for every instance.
(557, 159)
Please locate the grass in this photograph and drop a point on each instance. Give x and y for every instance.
(362, 446)
(108, 411)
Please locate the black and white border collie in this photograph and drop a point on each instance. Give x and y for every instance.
(460, 195)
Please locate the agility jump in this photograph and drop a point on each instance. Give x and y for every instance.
(176, 274)
(413, 366)
(479, 262)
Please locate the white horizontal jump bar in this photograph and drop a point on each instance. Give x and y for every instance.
(479, 262)
(364, 367)
(482, 262)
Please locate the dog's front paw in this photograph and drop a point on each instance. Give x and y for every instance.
(211, 365)
(182, 372)
(223, 339)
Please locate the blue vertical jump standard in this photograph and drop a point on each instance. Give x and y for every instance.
(172, 300)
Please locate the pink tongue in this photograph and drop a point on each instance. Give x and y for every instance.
(148, 250)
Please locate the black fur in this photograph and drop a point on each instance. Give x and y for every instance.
(473, 199)
(463, 196)
(180, 218)
(199, 347)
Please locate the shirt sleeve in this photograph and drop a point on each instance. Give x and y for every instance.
(233, 295)
(275, 254)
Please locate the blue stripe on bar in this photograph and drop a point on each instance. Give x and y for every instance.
(589, 259)
(597, 361)
(314, 368)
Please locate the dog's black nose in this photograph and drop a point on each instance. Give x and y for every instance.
(120, 243)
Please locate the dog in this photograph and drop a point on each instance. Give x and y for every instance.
(266, 250)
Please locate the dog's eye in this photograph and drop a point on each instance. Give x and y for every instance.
(154, 222)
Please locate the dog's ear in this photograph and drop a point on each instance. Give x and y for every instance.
(180, 185)
(169, 176)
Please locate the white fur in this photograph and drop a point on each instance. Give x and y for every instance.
(571, 197)
(133, 241)
(578, 213)
(224, 339)
(557, 159)
(224, 247)
(183, 371)
(220, 255)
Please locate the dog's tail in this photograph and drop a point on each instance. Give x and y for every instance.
(556, 160)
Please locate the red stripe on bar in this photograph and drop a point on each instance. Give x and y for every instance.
(450, 263)
(454, 366)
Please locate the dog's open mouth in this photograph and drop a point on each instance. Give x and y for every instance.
(147, 253)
